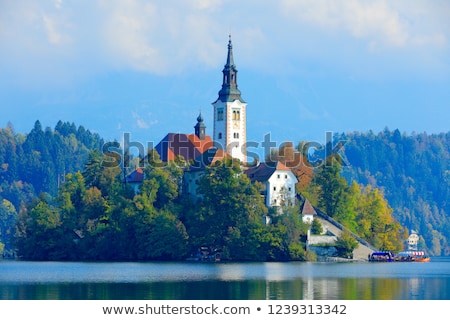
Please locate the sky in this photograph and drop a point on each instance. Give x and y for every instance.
(147, 68)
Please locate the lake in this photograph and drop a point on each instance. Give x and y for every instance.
(224, 281)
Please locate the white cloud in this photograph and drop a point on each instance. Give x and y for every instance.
(377, 21)
(207, 4)
(143, 121)
(127, 29)
(158, 37)
(69, 40)
(54, 35)
(58, 4)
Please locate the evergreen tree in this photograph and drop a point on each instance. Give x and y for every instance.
(331, 189)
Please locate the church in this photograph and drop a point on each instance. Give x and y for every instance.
(229, 140)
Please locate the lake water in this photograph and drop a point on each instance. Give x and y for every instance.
(221, 281)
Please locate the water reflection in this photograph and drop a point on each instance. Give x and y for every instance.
(317, 289)
(254, 281)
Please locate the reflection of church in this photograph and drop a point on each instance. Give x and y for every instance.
(229, 141)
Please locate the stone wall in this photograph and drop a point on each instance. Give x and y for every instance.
(322, 251)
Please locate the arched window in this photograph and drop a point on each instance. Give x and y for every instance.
(236, 115)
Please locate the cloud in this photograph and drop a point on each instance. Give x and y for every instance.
(58, 4)
(159, 37)
(44, 42)
(54, 34)
(207, 4)
(143, 121)
(377, 22)
(127, 28)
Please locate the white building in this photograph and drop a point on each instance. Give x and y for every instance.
(230, 113)
(308, 212)
(413, 241)
(278, 183)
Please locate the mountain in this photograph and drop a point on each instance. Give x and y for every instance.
(413, 170)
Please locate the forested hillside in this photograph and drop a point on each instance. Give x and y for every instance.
(37, 162)
(414, 173)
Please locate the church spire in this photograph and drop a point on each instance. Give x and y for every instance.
(200, 128)
(230, 60)
(230, 91)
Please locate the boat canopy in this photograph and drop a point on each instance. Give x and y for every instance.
(412, 253)
(381, 253)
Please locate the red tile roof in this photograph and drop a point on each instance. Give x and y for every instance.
(178, 144)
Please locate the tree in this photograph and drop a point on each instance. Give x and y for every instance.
(373, 219)
(230, 213)
(316, 227)
(331, 189)
(70, 198)
(345, 244)
(40, 236)
(363, 210)
(161, 237)
(8, 219)
(93, 169)
(164, 182)
(292, 229)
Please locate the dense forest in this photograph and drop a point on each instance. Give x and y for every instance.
(413, 171)
(36, 163)
(57, 202)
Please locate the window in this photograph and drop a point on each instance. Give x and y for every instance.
(275, 188)
(278, 176)
(236, 135)
(285, 176)
(219, 114)
(219, 135)
(290, 189)
(236, 114)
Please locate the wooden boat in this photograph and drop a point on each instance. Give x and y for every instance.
(381, 256)
(422, 259)
(412, 256)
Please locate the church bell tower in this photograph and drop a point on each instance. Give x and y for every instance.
(230, 113)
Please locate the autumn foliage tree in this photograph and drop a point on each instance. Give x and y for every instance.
(363, 210)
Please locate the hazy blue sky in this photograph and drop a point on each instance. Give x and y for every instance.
(148, 67)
